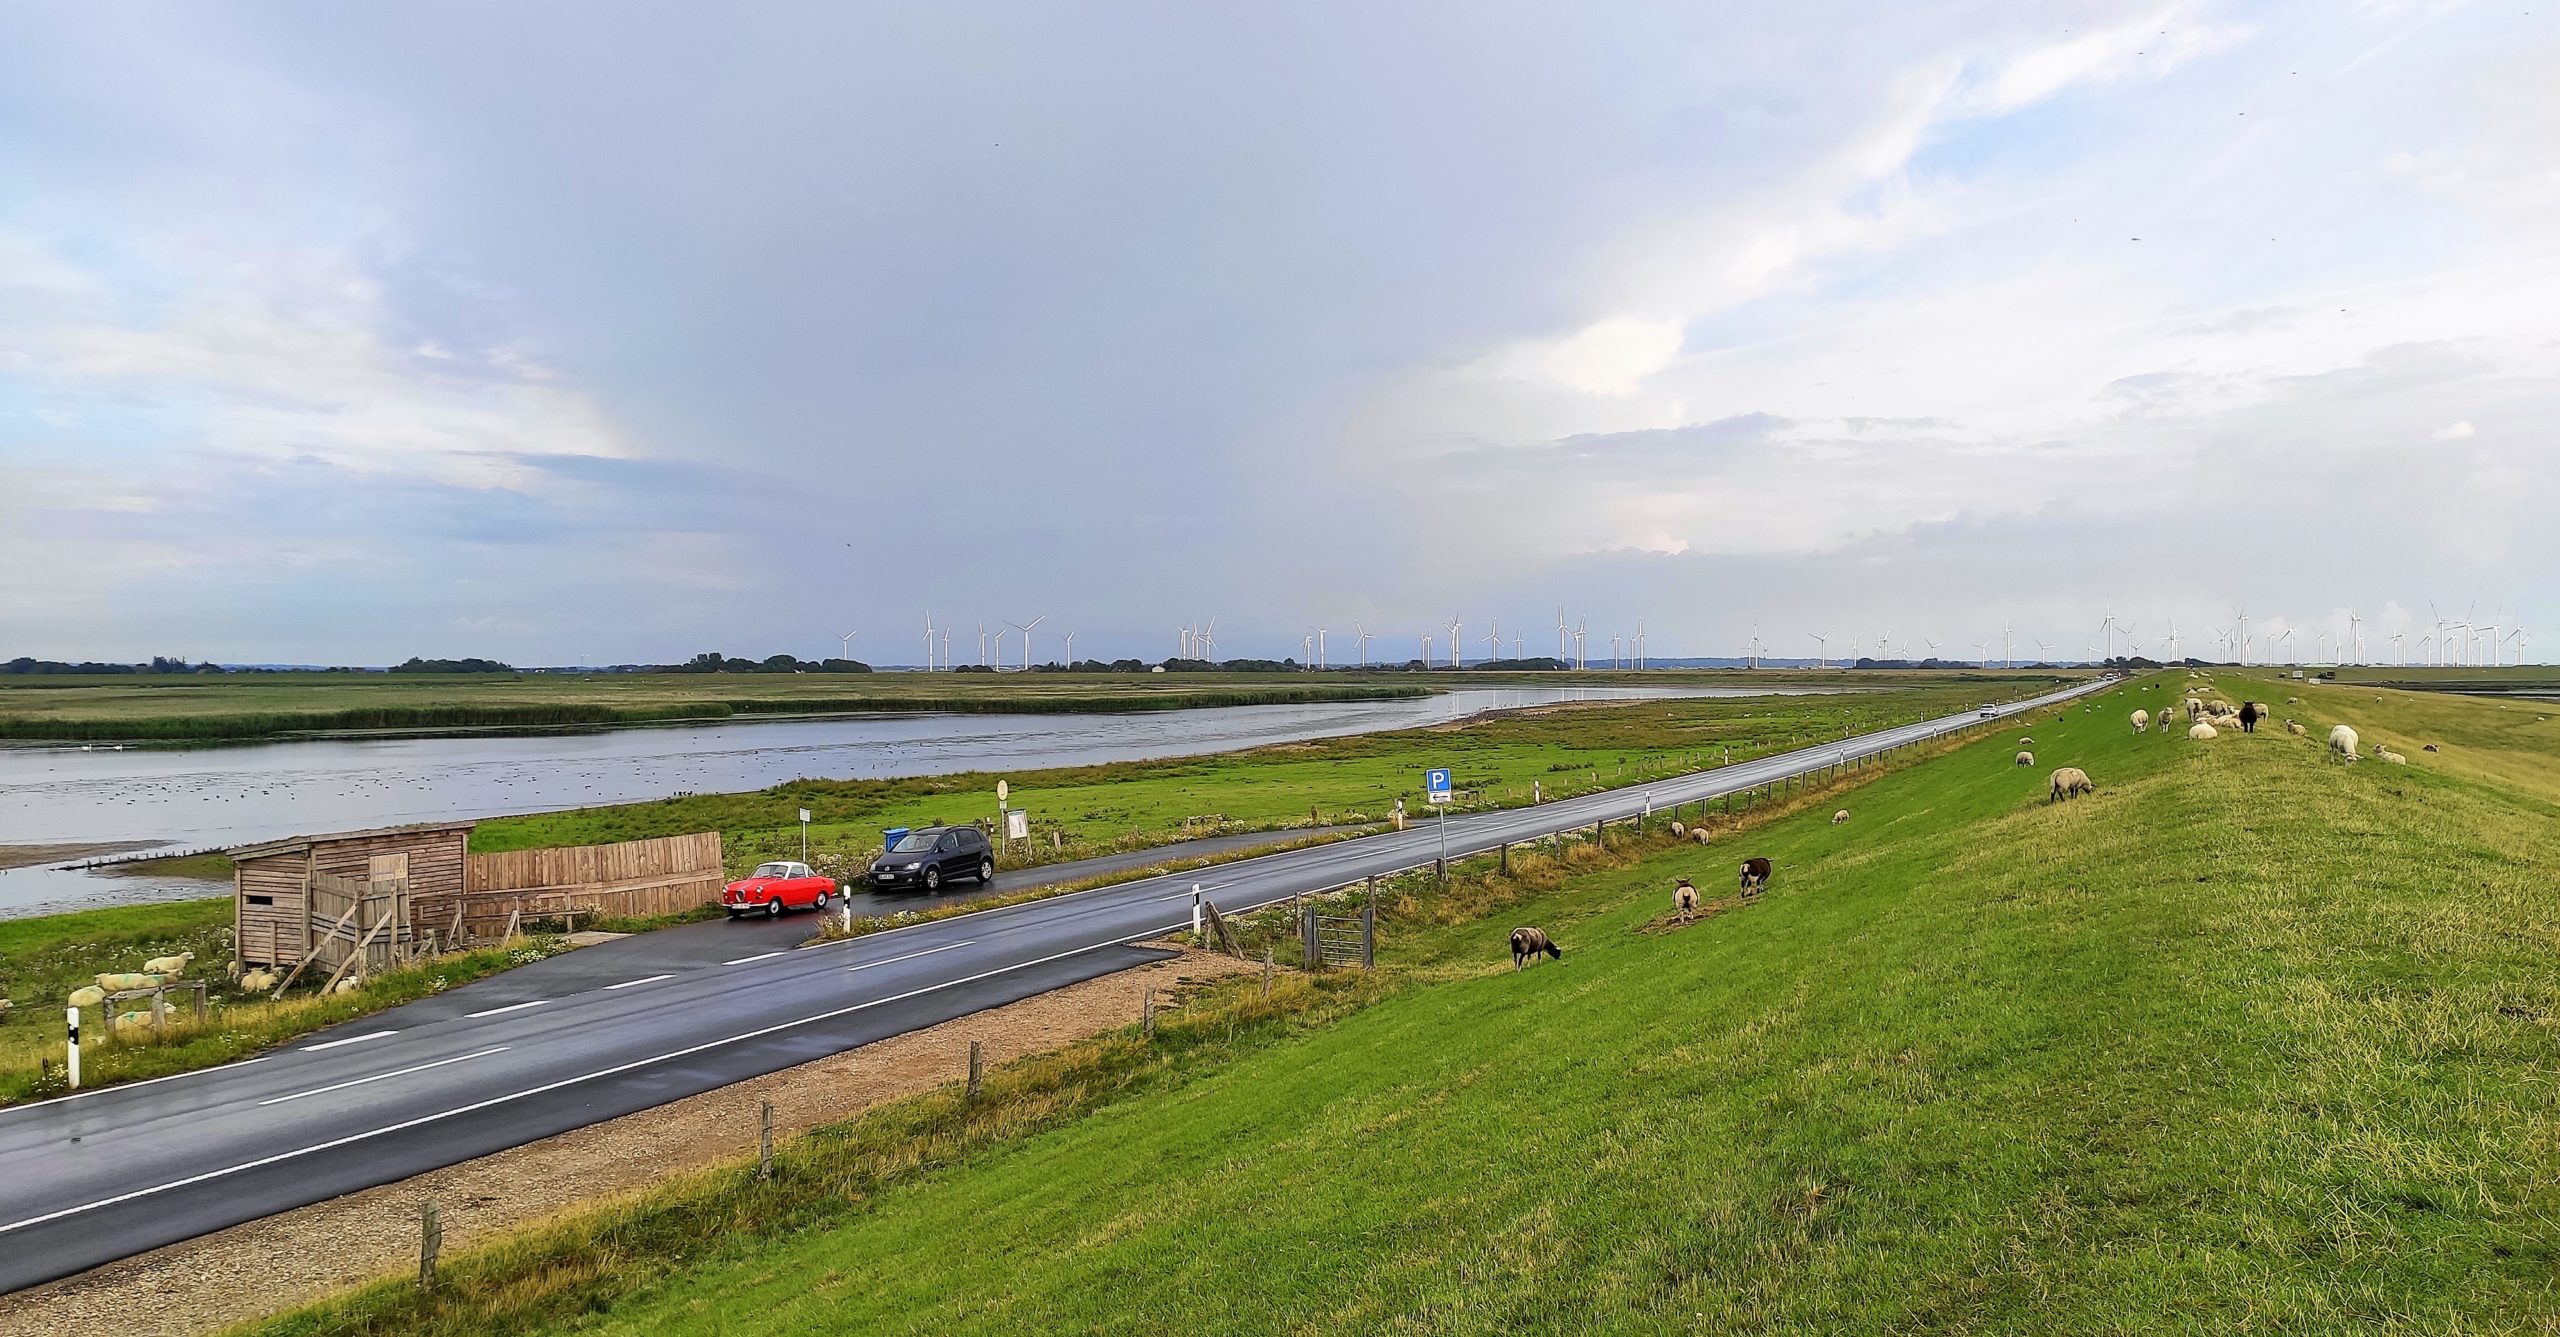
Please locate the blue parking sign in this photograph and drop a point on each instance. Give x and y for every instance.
(1435, 784)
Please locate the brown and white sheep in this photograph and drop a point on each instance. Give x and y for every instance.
(1684, 902)
(1755, 876)
(2069, 782)
(2295, 728)
(1527, 943)
(1839, 817)
(2026, 758)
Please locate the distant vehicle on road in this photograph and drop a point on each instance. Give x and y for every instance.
(1988, 712)
(930, 856)
(775, 887)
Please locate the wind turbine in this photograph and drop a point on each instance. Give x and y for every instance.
(1493, 642)
(1932, 643)
(1426, 649)
(1026, 639)
(1360, 631)
(1455, 661)
(2173, 640)
(928, 644)
(2490, 629)
(2395, 648)
(1071, 649)
(1821, 649)
(1209, 642)
(1639, 645)
(2521, 639)
(1614, 660)
(1561, 656)
(2285, 640)
(2044, 653)
(1580, 629)
(982, 643)
(1982, 653)
(2107, 626)
(1755, 645)
(998, 661)
(1307, 651)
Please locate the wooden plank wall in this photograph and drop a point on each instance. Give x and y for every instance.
(276, 933)
(633, 878)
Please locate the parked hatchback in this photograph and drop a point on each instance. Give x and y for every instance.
(930, 856)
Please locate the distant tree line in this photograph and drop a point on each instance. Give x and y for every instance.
(416, 665)
(712, 661)
(159, 664)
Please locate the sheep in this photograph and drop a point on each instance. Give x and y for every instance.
(2295, 728)
(349, 985)
(1679, 831)
(125, 979)
(88, 997)
(1684, 902)
(2026, 742)
(2343, 743)
(169, 965)
(2428, 748)
(1755, 876)
(2141, 721)
(1698, 834)
(2026, 758)
(2070, 781)
(133, 1019)
(2388, 755)
(1839, 817)
(2249, 716)
(1527, 943)
(2194, 704)
(2202, 732)
(258, 981)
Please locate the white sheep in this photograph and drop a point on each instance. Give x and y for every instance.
(1679, 831)
(2390, 756)
(2026, 758)
(169, 965)
(1698, 834)
(2141, 721)
(258, 981)
(90, 996)
(2343, 743)
(2069, 782)
(1839, 817)
(2295, 728)
(2201, 731)
(348, 985)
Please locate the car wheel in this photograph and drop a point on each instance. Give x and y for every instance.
(932, 878)
(986, 871)
(822, 900)
(773, 908)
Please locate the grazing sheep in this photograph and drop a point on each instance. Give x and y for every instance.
(2023, 742)
(2249, 716)
(2068, 782)
(2202, 732)
(169, 965)
(2141, 721)
(2194, 704)
(1839, 817)
(2428, 748)
(1698, 834)
(88, 997)
(258, 981)
(2343, 743)
(2026, 758)
(1527, 943)
(2390, 756)
(2295, 728)
(1684, 902)
(1755, 876)
(1679, 831)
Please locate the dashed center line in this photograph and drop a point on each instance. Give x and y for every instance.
(511, 1007)
(913, 955)
(760, 956)
(400, 1072)
(350, 1040)
(645, 979)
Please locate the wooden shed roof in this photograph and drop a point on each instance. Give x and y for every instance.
(292, 844)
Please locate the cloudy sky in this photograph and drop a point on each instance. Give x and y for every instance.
(587, 332)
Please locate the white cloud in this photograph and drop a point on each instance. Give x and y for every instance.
(2457, 431)
(1606, 357)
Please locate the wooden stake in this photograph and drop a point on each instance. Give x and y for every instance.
(1266, 972)
(1147, 1012)
(430, 1243)
(764, 1153)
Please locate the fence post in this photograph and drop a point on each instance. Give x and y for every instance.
(430, 1243)
(1147, 1012)
(764, 1145)
(1369, 930)
(1266, 972)
(977, 1070)
(1506, 856)
(1309, 957)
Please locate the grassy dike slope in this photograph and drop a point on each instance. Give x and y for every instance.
(2247, 1041)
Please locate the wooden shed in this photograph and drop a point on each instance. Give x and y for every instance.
(327, 898)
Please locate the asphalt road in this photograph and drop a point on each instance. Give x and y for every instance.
(90, 1178)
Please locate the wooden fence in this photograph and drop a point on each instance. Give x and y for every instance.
(358, 924)
(627, 880)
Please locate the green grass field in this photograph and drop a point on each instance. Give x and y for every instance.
(2248, 1041)
(187, 708)
(1126, 805)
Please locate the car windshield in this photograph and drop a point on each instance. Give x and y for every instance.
(916, 842)
(772, 870)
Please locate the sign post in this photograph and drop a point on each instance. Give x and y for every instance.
(804, 835)
(1435, 787)
(1003, 791)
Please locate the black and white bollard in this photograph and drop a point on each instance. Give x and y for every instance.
(1195, 911)
(75, 1047)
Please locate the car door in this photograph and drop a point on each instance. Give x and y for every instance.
(951, 856)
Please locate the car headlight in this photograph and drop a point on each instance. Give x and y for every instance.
(911, 867)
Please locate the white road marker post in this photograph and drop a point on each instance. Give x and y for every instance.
(1195, 911)
(75, 1047)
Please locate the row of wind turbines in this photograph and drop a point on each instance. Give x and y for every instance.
(1627, 650)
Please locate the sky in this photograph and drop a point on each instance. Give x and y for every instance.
(595, 333)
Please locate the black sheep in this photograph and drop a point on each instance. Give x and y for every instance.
(1528, 942)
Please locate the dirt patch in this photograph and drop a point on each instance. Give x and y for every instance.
(28, 856)
(301, 1255)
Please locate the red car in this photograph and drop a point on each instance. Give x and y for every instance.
(775, 887)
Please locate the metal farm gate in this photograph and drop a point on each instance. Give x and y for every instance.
(1340, 940)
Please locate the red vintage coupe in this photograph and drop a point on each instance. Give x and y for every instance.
(775, 887)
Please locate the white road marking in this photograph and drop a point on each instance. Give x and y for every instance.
(646, 979)
(350, 1040)
(403, 1072)
(478, 1105)
(760, 956)
(912, 955)
(127, 1086)
(511, 1007)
